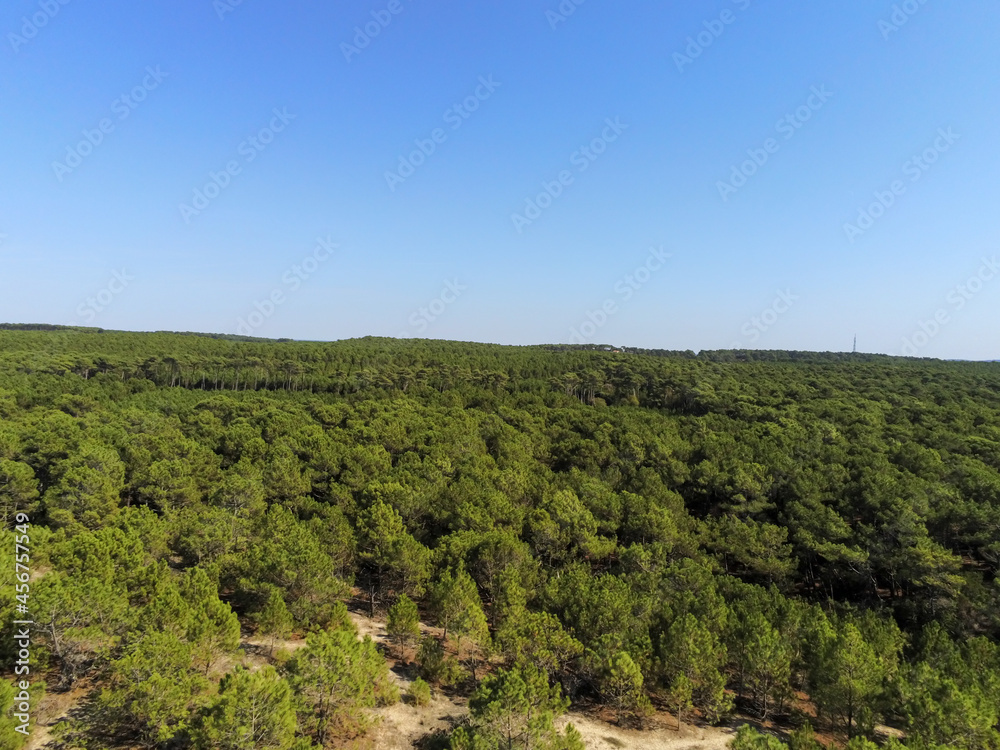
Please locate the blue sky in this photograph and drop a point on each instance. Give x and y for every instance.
(466, 241)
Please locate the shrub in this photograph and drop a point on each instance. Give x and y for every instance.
(419, 693)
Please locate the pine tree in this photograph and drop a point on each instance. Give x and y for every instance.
(680, 696)
(516, 709)
(748, 738)
(274, 621)
(394, 561)
(403, 626)
(851, 680)
(89, 489)
(539, 639)
(456, 601)
(18, 490)
(804, 738)
(152, 689)
(692, 660)
(337, 679)
(768, 664)
(213, 627)
(436, 664)
(621, 685)
(253, 711)
(242, 495)
(79, 618)
(419, 692)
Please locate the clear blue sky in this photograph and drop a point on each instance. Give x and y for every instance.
(765, 263)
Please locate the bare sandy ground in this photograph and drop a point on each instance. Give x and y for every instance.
(601, 736)
(403, 725)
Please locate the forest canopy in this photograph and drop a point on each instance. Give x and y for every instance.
(798, 537)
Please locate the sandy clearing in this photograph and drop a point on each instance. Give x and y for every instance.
(54, 707)
(599, 735)
(403, 725)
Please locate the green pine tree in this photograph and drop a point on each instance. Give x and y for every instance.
(338, 678)
(253, 711)
(403, 625)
